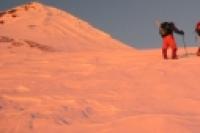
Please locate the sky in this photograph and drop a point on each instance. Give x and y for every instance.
(130, 21)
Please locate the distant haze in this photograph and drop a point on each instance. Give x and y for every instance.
(131, 21)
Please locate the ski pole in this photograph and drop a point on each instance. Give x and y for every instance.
(184, 44)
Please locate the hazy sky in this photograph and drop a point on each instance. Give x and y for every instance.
(131, 21)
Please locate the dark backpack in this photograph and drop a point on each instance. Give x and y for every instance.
(166, 28)
(197, 28)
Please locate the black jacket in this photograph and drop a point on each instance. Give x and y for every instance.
(167, 28)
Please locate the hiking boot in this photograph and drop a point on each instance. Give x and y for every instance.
(174, 55)
(164, 53)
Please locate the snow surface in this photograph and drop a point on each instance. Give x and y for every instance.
(56, 77)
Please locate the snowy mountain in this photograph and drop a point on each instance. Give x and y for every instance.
(48, 28)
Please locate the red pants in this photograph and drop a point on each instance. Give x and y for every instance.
(198, 52)
(169, 41)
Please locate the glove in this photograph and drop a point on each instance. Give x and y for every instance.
(182, 32)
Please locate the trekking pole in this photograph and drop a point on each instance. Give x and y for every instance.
(184, 44)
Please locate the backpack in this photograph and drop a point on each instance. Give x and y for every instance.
(197, 28)
(166, 28)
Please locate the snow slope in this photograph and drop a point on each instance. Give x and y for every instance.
(110, 90)
(99, 92)
(54, 28)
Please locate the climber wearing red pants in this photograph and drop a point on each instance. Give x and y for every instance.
(166, 31)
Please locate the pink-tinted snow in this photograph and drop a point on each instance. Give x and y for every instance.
(58, 74)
